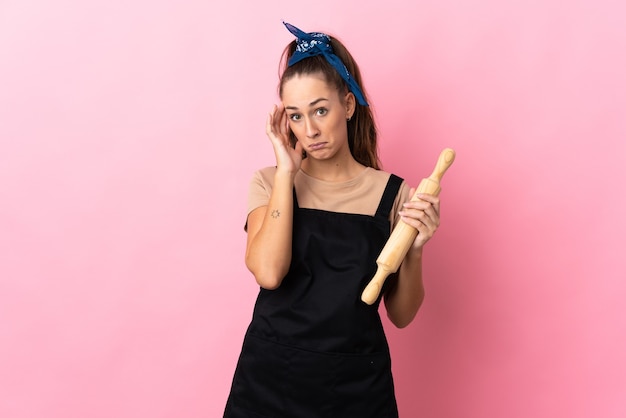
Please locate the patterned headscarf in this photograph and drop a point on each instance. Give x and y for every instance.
(315, 43)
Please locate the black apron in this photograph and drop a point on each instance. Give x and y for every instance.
(313, 348)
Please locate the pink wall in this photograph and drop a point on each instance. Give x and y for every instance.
(128, 134)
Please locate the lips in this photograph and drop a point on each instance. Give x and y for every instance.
(317, 145)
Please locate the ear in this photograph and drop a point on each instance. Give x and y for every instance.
(350, 103)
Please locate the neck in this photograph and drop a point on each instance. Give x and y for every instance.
(333, 170)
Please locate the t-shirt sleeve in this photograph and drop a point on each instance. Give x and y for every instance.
(260, 188)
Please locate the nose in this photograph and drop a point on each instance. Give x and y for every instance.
(311, 128)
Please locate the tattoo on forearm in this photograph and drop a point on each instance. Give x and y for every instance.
(275, 213)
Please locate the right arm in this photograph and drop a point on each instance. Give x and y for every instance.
(268, 248)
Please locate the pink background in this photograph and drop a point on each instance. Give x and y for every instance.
(129, 132)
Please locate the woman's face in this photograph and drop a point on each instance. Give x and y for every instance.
(318, 115)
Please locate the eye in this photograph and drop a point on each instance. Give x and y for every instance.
(321, 111)
(294, 117)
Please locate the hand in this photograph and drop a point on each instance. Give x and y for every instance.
(288, 158)
(423, 215)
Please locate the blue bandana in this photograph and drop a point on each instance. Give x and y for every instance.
(315, 43)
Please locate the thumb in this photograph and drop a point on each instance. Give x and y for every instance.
(299, 150)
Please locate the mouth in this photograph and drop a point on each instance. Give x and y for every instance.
(317, 145)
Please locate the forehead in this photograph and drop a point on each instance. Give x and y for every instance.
(301, 90)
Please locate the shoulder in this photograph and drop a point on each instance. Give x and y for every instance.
(381, 178)
(264, 175)
(260, 187)
(262, 180)
(402, 194)
(377, 174)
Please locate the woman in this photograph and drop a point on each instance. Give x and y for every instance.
(317, 222)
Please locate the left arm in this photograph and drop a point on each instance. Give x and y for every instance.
(405, 297)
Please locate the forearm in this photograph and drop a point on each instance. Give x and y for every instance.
(268, 254)
(404, 299)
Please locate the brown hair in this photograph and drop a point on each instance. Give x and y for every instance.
(362, 132)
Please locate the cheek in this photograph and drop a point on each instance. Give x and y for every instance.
(296, 129)
(340, 127)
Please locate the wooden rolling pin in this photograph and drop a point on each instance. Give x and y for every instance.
(403, 234)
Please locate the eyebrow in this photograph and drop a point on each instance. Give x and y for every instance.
(313, 103)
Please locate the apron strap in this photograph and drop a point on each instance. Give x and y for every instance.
(389, 196)
(295, 199)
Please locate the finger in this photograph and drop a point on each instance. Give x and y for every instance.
(421, 224)
(424, 203)
(427, 217)
(424, 232)
(298, 147)
(300, 150)
(277, 118)
(430, 220)
(284, 124)
(417, 205)
(275, 131)
(432, 210)
(279, 124)
(428, 198)
(269, 124)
